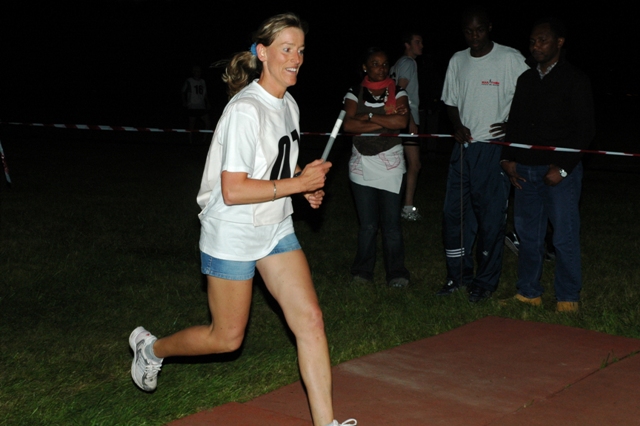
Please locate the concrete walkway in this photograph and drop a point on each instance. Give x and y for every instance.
(495, 371)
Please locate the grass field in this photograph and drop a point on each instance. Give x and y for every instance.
(99, 237)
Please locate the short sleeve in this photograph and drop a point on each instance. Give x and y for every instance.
(404, 69)
(351, 95)
(400, 92)
(239, 139)
(450, 88)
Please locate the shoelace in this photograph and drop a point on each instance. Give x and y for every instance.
(350, 422)
(152, 369)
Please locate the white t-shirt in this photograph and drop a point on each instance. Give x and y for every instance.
(257, 134)
(196, 91)
(406, 67)
(482, 88)
(382, 171)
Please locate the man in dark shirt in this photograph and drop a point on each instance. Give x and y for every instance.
(552, 106)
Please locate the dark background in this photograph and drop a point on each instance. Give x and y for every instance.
(124, 62)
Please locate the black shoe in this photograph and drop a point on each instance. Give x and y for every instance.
(449, 288)
(478, 293)
(512, 242)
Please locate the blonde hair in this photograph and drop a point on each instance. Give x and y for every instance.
(244, 66)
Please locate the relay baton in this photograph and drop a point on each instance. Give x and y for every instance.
(334, 133)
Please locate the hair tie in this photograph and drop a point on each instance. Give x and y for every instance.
(253, 50)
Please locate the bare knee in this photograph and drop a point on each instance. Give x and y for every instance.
(233, 343)
(311, 323)
(222, 341)
(316, 319)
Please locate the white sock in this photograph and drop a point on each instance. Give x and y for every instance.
(407, 209)
(148, 350)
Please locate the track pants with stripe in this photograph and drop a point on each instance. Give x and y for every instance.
(482, 187)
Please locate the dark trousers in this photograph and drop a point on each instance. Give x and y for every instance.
(534, 204)
(378, 209)
(483, 189)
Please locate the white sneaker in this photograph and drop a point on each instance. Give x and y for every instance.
(350, 422)
(399, 282)
(143, 370)
(512, 242)
(411, 215)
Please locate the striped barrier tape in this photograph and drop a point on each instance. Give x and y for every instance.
(513, 144)
(402, 135)
(101, 127)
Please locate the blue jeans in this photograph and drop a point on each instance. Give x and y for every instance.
(534, 204)
(239, 270)
(378, 208)
(483, 189)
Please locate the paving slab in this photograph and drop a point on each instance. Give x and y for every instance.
(478, 374)
(609, 397)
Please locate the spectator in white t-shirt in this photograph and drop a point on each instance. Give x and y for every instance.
(478, 89)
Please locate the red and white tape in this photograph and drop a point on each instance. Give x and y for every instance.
(101, 127)
(561, 149)
(402, 135)
(515, 145)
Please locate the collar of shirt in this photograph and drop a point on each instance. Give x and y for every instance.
(549, 68)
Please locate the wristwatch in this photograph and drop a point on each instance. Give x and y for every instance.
(563, 172)
(370, 115)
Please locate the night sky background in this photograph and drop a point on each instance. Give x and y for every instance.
(124, 62)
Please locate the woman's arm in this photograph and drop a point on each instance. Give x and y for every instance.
(357, 123)
(238, 188)
(397, 121)
(360, 123)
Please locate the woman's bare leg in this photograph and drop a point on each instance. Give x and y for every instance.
(229, 302)
(288, 279)
(412, 155)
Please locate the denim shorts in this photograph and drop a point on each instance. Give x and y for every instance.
(239, 270)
